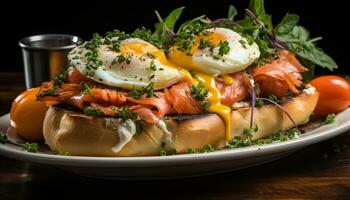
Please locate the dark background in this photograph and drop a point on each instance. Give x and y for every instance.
(322, 18)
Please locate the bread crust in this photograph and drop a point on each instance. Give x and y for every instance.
(78, 134)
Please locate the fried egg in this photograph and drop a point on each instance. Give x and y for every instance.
(136, 65)
(241, 53)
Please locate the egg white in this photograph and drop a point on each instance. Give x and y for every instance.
(240, 55)
(137, 74)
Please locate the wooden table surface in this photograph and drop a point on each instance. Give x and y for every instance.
(321, 171)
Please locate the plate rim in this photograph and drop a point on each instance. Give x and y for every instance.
(319, 134)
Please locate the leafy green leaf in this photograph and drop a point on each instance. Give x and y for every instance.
(310, 52)
(307, 75)
(287, 24)
(172, 18)
(195, 23)
(298, 41)
(257, 6)
(301, 33)
(232, 12)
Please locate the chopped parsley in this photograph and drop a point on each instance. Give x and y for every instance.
(273, 98)
(124, 113)
(199, 92)
(248, 132)
(206, 44)
(206, 149)
(86, 89)
(93, 63)
(192, 151)
(43, 94)
(259, 102)
(116, 45)
(205, 105)
(59, 79)
(135, 93)
(153, 66)
(162, 152)
(149, 90)
(224, 48)
(127, 59)
(3, 138)
(31, 147)
(92, 111)
(279, 136)
(330, 119)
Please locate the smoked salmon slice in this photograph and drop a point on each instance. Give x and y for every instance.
(235, 92)
(180, 98)
(279, 76)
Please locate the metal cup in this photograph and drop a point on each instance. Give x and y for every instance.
(44, 56)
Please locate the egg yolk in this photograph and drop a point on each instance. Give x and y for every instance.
(27, 115)
(143, 48)
(184, 58)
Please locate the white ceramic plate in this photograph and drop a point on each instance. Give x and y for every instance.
(157, 167)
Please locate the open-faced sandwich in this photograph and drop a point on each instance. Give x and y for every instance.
(208, 85)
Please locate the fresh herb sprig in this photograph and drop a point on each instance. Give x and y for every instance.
(330, 119)
(3, 138)
(199, 92)
(31, 147)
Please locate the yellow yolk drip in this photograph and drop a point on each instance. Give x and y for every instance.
(184, 58)
(214, 99)
(228, 80)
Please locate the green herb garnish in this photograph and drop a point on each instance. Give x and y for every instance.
(207, 148)
(279, 136)
(259, 102)
(206, 44)
(92, 111)
(199, 92)
(149, 90)
(135, 93)
(205, 105)
(153, 66)
(162, 152)
(3, 138)
(224, 48)
(124, 113)
(248, 132)
(273, 98)
(31, 147)
(330, 119)
(86, 89)
(59, 79)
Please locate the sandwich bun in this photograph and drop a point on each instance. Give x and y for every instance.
(78, 134)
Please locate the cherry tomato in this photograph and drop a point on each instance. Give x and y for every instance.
(27, 115)
(334, 94)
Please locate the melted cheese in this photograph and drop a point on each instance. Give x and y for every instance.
(214, 99)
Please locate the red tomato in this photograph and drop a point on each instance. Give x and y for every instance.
(334, 94)
(27, 115)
